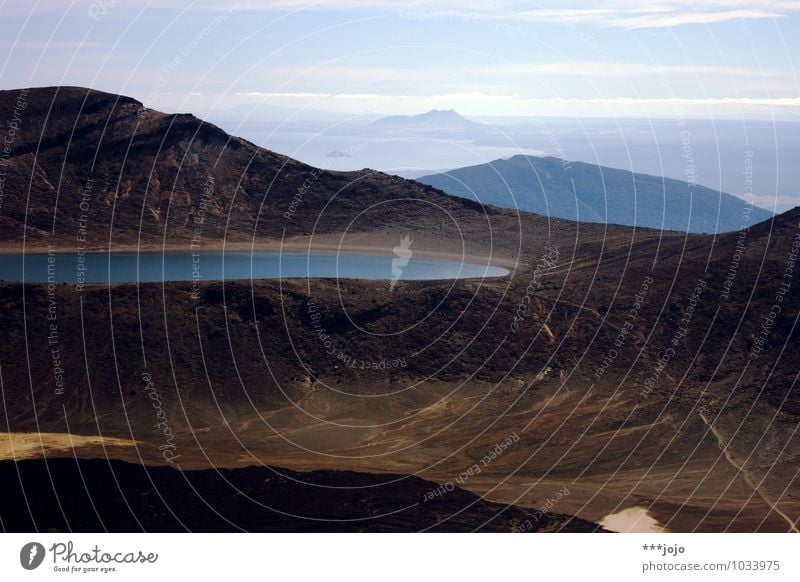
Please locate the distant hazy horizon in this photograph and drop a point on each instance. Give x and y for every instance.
(751, 159)
(298, 77)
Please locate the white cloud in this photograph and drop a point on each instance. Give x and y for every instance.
(620, 69)
(664, 14)
(680, 18)
(472, 96)
(478, 103)
(342, 73)
(610, 13)
(629, 14)
(476, 96)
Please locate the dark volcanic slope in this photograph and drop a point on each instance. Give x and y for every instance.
(98, 495)
(142, 173)
(588, 192)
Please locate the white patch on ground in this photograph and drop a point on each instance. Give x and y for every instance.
(632, 520)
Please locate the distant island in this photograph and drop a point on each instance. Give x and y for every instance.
(436, 121)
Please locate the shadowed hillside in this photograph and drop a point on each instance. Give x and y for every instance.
(98, 495)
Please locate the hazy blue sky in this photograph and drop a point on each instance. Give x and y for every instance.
(620, 57)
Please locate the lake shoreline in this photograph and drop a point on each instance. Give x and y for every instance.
(267, 245)
(207, 264)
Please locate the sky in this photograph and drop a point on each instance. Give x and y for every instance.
(666, 58)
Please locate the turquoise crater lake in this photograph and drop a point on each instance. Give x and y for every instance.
(132, 267)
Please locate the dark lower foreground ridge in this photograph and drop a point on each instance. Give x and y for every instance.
(94, 495)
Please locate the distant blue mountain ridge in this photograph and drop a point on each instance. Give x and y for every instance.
(592, 193)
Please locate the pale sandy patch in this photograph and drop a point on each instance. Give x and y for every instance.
(32, 445)
(632, 520)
